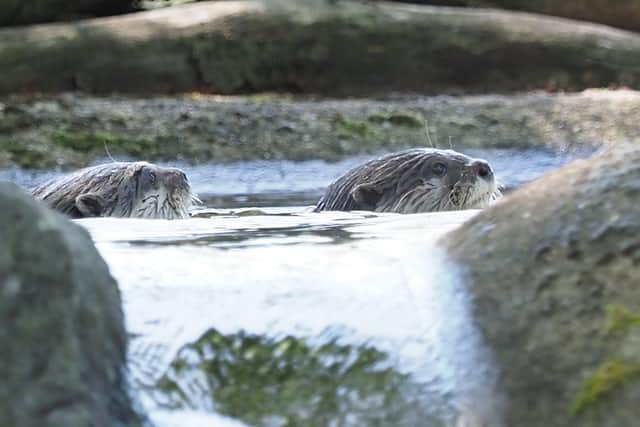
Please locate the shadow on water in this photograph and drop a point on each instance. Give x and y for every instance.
(244, 237)
(290, 381)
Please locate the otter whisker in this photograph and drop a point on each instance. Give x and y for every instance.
(466, 193)
(417, 180)
(401, 204)
(453, 197)
(152, 196)
(127, 189)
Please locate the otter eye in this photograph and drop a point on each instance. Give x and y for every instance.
(439, 169)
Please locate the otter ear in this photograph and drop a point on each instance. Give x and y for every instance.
(367, 195)
(90, 204)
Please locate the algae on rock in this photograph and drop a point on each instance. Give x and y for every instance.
(71, 130)
(545, 264)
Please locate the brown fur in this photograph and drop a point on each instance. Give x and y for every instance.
(120, 189)
(409, 182)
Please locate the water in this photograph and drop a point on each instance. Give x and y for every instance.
(286, 183)
(338, 286)
(281, 317)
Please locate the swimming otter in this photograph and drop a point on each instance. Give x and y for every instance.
(415, 180)
(120, 189)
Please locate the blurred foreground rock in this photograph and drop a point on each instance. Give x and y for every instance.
(348, 48)
(62, 340)
(555, 269)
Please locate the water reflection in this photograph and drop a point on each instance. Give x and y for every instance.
(291, 381)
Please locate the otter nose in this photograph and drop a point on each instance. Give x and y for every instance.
(482, 169)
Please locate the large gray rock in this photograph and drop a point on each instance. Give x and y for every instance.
(309, 46)
(555, 269)
(62, 339)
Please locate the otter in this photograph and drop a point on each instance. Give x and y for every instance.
(120, 189)
(411, 181)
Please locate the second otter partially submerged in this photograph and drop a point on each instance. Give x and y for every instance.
(411, 181)
(120, 189)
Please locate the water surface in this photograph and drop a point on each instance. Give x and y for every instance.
(357, 318)
(287, 183)
(258, 312)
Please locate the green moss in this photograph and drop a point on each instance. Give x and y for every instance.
(609, 376)
(620, 319)
(75, 141)
(406, 119)
(28, 155)
(349, 128)
(12, 122)
(89, 142)
(613, 373)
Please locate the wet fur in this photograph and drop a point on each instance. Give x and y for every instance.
(120, 189)
(403, 182)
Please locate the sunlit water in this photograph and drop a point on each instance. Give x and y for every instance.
(281, 317)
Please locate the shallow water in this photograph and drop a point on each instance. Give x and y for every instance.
(287, 183)
(379, 328)
(258, 312)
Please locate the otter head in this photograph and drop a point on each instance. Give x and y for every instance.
(426, 180)
(141, 190)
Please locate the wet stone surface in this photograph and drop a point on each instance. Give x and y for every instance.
(69, 131)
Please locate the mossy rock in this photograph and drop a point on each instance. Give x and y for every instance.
(550, 268)
(410, 120)
(63, 342)
(90, 142)
(73, 130)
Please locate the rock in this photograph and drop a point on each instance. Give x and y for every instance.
(72, 130)
(62, 341)
(307, 47)
(554, 270)
(621, 13)
(20, 12)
